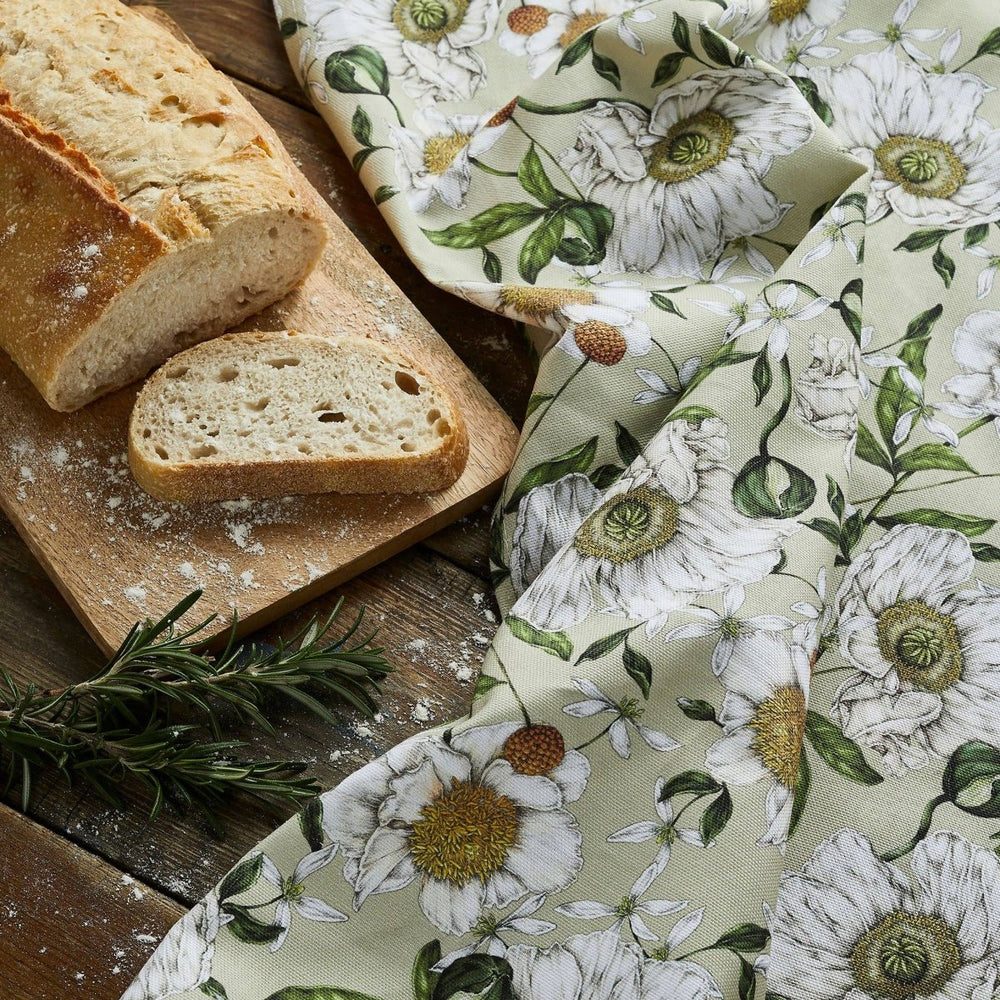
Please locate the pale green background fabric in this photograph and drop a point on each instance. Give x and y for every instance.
(739, 732)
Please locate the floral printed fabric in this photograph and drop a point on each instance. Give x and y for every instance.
(739, 732)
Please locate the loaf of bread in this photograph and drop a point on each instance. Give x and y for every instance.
(270, 414)
(144, 204)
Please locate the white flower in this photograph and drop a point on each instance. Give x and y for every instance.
(659, 389)
(828, 392)
(780, 314)
(627, 713)
(433, 161)
(984, 284)
(851, 926)
(783, 23)
(478, 823)
(949, 49)
(735, 311)
(183, 961)
(834, 230)
(293, 896)
(763, 719)
(665, 832)
(896, 33)
(811, 48)
(428, 45)
(927, 654)
(542, 32)
(976, 348)
(727, 626)
(547, 518)
(603, 334)
(904, 425)
(932, 159)
(668, 176)
(666, 532)
(601, 966)
(629, 908)
(489, 927)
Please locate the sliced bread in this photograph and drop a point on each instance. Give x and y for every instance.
(266, 414)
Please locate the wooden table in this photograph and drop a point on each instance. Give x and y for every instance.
(86, 892)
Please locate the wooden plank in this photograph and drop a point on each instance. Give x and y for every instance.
(435, 623)
(117, 554)
(466, 542)
(71, 925)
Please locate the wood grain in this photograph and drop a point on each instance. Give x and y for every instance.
(78, 926)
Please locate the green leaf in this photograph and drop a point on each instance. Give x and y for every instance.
(762, 378)
(922, 239)
(840, 752)
(714, 819)
(577, 459)
(289, 25)
(472, 974)
(810, 92)
(311, 824)
(695, 708)
(855, 199)
(361, 126)
(668, 67)
(715, 46)
(975, 235)
(990, 45)
(603, 646)
(912, 355)
(638, 668)
(693, 414)
(870, 451)
(667, 305)
(606, 68)
(835, 497)
(534, 180)
(576, 51)
(214, 989)
(974, 764)
(242, 877)
(484, 683)
(486, 227)
(985, 553)
(933, 456)
(536, 400)
(540, 246)
(594, 222)
(628, 447)
(698, 782)
(744, 937)
(922, 325)
(318, 993)
(771, 487)
(247, 928)
(747, 986)
(944, 266)
(383, 193)
(578, 252)
(968, 524)
(492, 268)
(424, 980)
(554, 643)
(830, 530)
(606, 475)
(802, 782)
(359, 159)
(681, 34)
(892, 401)
(340, 69)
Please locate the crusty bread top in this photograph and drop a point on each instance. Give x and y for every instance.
(164, 129)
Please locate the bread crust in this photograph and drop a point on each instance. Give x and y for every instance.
(213, 479)
(131, 144)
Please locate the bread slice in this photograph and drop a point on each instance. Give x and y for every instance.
(269, 414)
(144, 204)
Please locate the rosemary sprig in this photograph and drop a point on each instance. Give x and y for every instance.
(149, 712)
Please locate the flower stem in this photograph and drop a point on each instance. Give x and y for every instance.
(976, 424)
(555, 162)
(925, 825)
(594, 739)
(491, 170)
(513, 690)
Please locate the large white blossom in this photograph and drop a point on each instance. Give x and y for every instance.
(828, 391)
(976, 348)
(782, 26)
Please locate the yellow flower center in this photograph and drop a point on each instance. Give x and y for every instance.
(542, 302)
(785, 10)
(922, 644)
(465, 833)
(601, 342)
(428, 20)
(629, 526)
(904, 956)
(527, 20)
(576, 27)
(926, 168)
(534, 749)
(780, 724)
(691, 146)
(441, 150)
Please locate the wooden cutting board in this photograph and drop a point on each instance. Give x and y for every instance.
(118, 556)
